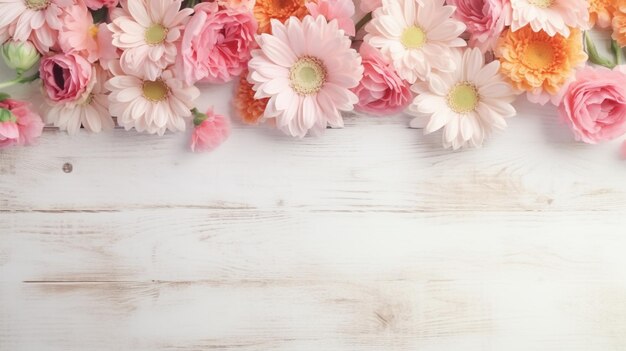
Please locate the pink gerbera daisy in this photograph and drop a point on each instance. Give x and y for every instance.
(306, 69)
(147, 31)
(35, 20)
(153, 106)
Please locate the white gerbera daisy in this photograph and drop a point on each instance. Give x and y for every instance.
(147, 31)
(467, 103)
(151, 106)
(416, 36)
(551, 16)
(91, 111)
(306, 69)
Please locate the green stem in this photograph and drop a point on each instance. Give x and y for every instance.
(363, 22)
(594, 56)
(19, 80)
(10, 83)
(617, 52)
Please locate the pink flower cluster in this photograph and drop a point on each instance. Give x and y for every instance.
(301, 64)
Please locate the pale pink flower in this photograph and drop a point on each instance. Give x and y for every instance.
(623, 150)
(467, 104)
(148, 32)
(381, 91)
(216, 43)
(65, 77)
(551, 16)
(151, 106)
(370, 5)
(306, 69)
(34, 20)
(249, 4)
(485, 20)
(79, 34)
(417, 37)
(210, 131)
(594, 105)
(22, 125)
(98, 4)
(341, 10)
(91, 113)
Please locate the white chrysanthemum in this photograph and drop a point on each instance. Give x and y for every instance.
(468, 103)
(417, 36)
(306, 69)
(551, 16)
(147, 31)
(91, 111)
(152, 106)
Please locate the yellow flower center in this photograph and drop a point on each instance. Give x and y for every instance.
(307, 76)
(155, 34)
(463, 98)
(541, 3)
(155, 90)
(539, 55)
(93, 31)
(413, 38)
(37, 4)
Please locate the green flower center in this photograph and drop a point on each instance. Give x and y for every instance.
(155, 34)
(541, 3)
(37, 4)
(463, 98)
(307, 76)
(155, 90)
(413, 38)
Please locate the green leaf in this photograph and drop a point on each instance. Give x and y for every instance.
(4, 96)
(6, 116)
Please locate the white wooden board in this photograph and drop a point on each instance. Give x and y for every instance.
(367, 238)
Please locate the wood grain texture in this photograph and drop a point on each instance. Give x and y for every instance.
(368, 238)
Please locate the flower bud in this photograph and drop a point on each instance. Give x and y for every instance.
(20, 56)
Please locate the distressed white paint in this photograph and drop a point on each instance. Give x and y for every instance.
(367, 238)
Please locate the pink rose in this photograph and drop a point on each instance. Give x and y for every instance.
(19, 125)
(216, 43)
(340, 10)
(594, 105)
(65, 77)
(370, 5)
(485, 20)
(98, 4)
(210, 132)
(381, 91)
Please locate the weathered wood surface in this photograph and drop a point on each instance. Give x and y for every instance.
(367, 238)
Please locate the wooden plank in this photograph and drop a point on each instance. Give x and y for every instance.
(373, 164)
(252, 245)
(302, 315)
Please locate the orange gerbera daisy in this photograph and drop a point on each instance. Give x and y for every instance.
(601, 12)
(538, 63)
(249, 108)
(265, 10)
(619, 22)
